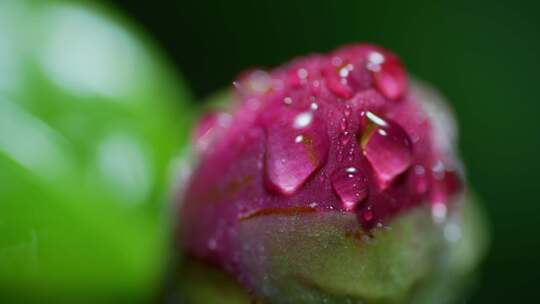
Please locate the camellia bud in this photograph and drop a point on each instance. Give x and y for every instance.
(331, 180)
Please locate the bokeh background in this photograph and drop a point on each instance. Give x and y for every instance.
(483, 55)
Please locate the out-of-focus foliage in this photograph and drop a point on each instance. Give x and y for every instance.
(90, 118)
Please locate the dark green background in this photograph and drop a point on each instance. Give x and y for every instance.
(483, 55)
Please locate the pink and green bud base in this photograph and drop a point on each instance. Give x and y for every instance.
(331, 179)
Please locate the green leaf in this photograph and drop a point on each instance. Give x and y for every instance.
(91, 115)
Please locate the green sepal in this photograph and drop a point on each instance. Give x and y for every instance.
(328, 258)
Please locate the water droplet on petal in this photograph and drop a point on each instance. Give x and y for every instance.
(294, 155)
(387, 147)
(339, 88)
(350, 185)
(302, 73)
(303, 120)
(376, 119)
(257, 82)
(344, 137)
(347, 111)
(337, 61)
(375, 60)
(345, 70)
(343, 124)
(389, 75)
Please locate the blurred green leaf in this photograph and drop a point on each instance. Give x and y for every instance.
(91, 116)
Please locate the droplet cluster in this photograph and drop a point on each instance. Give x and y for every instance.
(325, 133)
